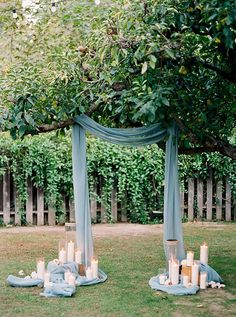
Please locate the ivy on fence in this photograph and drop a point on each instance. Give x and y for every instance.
(137, 173)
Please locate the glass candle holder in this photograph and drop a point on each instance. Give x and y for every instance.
(172, 245)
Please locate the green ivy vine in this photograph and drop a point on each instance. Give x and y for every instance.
(138, 173)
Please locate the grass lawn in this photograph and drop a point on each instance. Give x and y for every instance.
(129, 262)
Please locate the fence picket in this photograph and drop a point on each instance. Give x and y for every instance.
(219, 200)
(6, 198)
(40, 207)
(227, 201)
(200, 197)
(190, 199)
(209, 197)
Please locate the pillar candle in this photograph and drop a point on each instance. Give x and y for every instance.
(174, 273)
(185, 280)
(71, 280)
(62, 256)
(190, 256)
(203, 279)
(195, 274)
(67, 274)
(94, 267)
(162, 279)
(89, 273)
(70, 251)
(170, 265)
(204, 254)
(40, 269)
(78, 256)
(46, 278)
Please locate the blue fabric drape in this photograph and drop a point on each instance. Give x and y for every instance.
(131, 137)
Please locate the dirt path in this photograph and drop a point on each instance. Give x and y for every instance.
(118, 229)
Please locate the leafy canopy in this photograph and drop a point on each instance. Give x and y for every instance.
(127, 63)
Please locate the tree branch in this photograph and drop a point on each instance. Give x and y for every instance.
(230, 76)
(211, 144)
(64, 124)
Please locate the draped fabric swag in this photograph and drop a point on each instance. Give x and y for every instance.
(129, 137)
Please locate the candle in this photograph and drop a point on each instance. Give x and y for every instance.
(204, 253)
(170, 263)
(40, 268)
(195, 273)
(174, 273)
(71, 280)
(203, 279)
(89, 273)
(185, 280)
(94, 267)
(190, 256)
(70, 251)
(67, 274)
(62, 255)
(46, 278)
(78, 256)
(162, 279)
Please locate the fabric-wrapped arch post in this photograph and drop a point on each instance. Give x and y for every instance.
(129, 137)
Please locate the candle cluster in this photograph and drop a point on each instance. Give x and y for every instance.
(68, 253)
(188, 273)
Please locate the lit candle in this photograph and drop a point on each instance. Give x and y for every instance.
(71, 280)
(40, 268)
(162, 279)
(78, 256)
(46, 278)
(62, 255)
(94, 267)
(190, 256)
(195, 274)
(204, 253)
(203, 279)
(185, 280)
(70, 251)
(174, 273)
(89, 273)
(67, 274)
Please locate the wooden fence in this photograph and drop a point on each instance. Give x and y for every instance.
(202, 200)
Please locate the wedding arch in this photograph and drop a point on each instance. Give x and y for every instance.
(129, 137)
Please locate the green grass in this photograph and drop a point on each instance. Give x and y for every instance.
(129, 263)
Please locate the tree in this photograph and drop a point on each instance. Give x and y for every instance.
(129, 64)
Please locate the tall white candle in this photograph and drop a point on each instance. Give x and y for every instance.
(70, 251)
(67, 274)
(71, 280)
(204, 254)
(185, 280)
(89, 273)
(94, 267)
(195, 274)
(47, 277)
(78, 256)
(170, 265)
(40, 268)
(203, 279)
(175, 273)
(190, 256)
(62, 256)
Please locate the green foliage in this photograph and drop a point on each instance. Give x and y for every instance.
(137, 61)
(138, 173)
